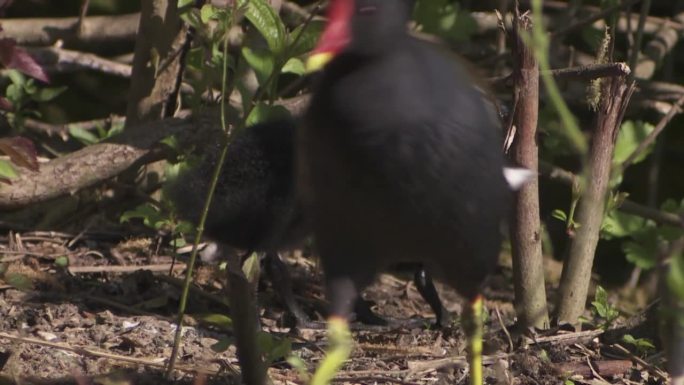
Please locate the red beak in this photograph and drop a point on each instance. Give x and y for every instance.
(336, 35)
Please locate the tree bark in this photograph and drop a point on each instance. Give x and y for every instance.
(576, 276)
(528, 263)
(157, 62)
(96, 30)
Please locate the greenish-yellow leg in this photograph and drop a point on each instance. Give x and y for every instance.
(473, 328)
(340, 341)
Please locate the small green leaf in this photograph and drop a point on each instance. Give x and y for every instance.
(179, 241)
(150, 215)
(301, 40)
(221, 345)
(300, 366)
(15, 94)
(267, 22)
(84, 136)
(629, 137)
(62, 261)
(643, 249)
(207, 13)
(618, 224)
(7, 171)
(560, 215)
(675, 276)
(252, 268)
(219, 320)
(16, 77)
(261, 61)
(19, 281)
(294, 66)
(263, 112)
(47, 94)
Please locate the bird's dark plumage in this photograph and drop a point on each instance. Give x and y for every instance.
(399, 160)
(254, 206)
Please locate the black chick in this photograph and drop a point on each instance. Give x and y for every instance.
(254, 207)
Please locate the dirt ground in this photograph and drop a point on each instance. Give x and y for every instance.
(77, 309)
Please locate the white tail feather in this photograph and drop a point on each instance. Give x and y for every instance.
(517, 177)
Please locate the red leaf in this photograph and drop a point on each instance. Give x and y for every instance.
(5, 104)
(21, 151)
(17, 58)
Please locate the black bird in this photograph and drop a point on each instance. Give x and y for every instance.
(399, 160)
(255, 208)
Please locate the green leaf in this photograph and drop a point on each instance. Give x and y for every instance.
(445, 19)
(261, 61)
(84, 136)
(629, 137)
(252, 268)
(47, 94)
(221, 345)
(185, 227)
(15, 94)
(19, 281)
(300, 366)
(263, 112)
(675, 276)
(207, 13)
(264, 18)
(273, 348)
(304, 38)
(185, 3)
(179, 241)
(560, 215)
(62, 261)
(618, 224)
(16, 77)
(294, 66)
(643, 249)
(150, 215)
(463, 28)
(7, 171)
(642, 345)
(219, 320)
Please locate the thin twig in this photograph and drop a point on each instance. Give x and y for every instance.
(123, 269)
(590, 19)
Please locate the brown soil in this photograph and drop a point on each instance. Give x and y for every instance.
(112, 327)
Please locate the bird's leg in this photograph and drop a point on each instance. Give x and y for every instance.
(279, 276)
(342, 292)
(365, 315)
(427, 290)
(472, 323)
(243, 312)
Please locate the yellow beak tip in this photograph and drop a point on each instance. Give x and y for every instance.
(317, 61)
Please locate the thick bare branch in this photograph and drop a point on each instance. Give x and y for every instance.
(63, 60)
(576, 276)
(157, 62)
(528, 264)
(86, 167)
(95, 30)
